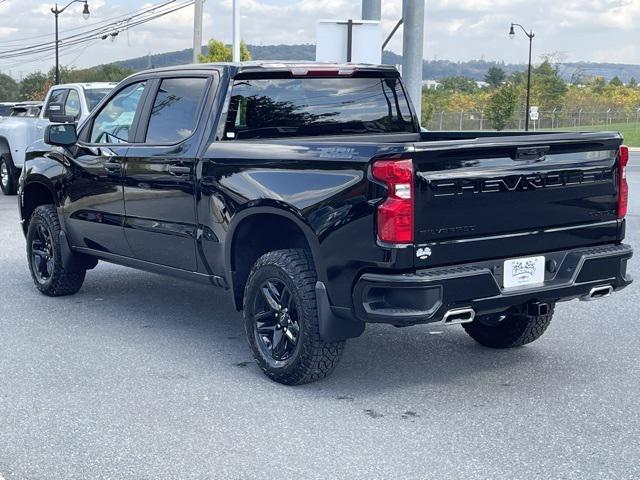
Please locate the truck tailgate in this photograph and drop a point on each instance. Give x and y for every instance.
(514, 186)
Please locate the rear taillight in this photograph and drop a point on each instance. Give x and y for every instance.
(395, 214)
(623, 193)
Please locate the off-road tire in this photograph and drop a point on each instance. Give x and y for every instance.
(62, 281)
(514, 331)
(313, 358)
(10, 187)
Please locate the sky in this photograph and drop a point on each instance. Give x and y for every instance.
(579, 30)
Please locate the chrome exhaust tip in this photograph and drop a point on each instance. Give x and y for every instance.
(596, 293)
(458, 316)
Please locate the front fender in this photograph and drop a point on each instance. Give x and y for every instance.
(42, 181)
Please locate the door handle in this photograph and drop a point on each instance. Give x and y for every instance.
(178, 170)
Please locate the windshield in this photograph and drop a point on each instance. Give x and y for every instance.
(277, 108)
(94, 96)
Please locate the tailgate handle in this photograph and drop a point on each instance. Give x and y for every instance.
(531, 153)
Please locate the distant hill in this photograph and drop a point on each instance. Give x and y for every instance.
(433, 69)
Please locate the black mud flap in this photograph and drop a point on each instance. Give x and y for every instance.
(332, 327)
(72, 260)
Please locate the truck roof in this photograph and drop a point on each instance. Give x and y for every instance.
(86, 86)
(261, 66)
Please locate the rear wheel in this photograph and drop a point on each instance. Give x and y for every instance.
(281, 319)
(44, 253)
(515, 330)
(8, 183)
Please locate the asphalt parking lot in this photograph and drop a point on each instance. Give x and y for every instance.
(143, 377)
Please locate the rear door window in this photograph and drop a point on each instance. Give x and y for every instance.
(175, 110)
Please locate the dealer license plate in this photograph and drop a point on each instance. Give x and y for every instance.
(524, 271)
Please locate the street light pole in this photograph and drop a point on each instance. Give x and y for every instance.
(236, 31)
(197, 30)
(531, 35)
(56, 12)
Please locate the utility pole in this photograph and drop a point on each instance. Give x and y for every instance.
(413, 50)
(372, 10)
(236, 30)
(197, 29)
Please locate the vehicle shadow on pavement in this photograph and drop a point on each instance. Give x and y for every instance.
(420, 354)
(203, 320)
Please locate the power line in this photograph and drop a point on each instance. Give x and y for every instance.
(86, 36)
(131, 13)
(104, 28)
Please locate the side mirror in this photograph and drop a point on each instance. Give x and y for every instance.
(62, 135)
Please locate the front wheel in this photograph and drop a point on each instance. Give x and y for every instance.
(8, 183)
(44, 253)
(281, 319)
(515, 330)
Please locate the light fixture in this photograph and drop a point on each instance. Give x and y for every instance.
(512, 33)
(85, 11)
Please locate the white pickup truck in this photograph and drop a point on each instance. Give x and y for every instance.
(64, 103)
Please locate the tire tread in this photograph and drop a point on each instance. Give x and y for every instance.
(317, 358)
(64, 281)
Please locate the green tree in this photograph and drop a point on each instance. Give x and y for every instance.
(433, 100)
(548, 87)
(616, 82)
(9, 88)
(34, 86)
(459, 84)
(217, 51)
(104, 73)
(598, 84)
(495, 77)
(633, 83)
(502, 105)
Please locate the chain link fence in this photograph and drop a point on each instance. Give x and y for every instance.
(547, 120)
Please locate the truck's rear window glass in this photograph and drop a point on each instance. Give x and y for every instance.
(295, 107)
(94, 95)
(173, 116)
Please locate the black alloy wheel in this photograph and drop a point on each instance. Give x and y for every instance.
(281, 319)
(276, 317)
(42, 255)
(50, 274)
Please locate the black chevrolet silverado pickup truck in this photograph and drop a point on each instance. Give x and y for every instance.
(312, 195)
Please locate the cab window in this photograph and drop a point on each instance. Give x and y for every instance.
(114, 122)
(72, 105)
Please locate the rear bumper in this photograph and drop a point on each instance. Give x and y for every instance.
(427, 295)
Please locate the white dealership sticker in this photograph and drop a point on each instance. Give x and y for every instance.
(524, 271)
